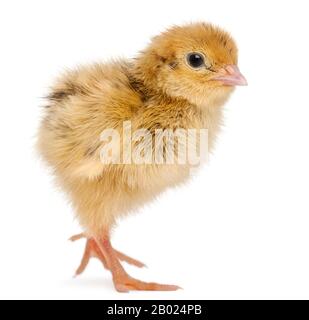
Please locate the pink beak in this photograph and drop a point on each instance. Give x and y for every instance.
(231, 76)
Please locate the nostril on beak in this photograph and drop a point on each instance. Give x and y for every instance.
(232, 69)
(230, 75)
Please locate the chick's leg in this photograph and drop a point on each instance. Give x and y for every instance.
(122, 281)
(92, 250)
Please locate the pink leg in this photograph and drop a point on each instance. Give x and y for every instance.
(92, 250)
(122, 281)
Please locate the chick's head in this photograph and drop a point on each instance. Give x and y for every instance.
(197, 62)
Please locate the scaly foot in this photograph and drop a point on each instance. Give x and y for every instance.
(125, 283)
(92, 250)
(102, 249)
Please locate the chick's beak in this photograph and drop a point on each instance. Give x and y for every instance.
(230, 76)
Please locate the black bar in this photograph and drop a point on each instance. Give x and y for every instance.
(169, 309)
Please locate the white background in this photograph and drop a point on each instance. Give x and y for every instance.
(238, 230)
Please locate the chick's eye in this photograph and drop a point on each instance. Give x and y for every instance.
(195, 60)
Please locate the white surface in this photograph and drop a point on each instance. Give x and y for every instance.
(239, 230)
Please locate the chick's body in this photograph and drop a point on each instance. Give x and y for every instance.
(157, 90)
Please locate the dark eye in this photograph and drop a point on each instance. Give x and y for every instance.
(195, 60)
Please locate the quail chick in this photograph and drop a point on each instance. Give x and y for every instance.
(180, 81)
